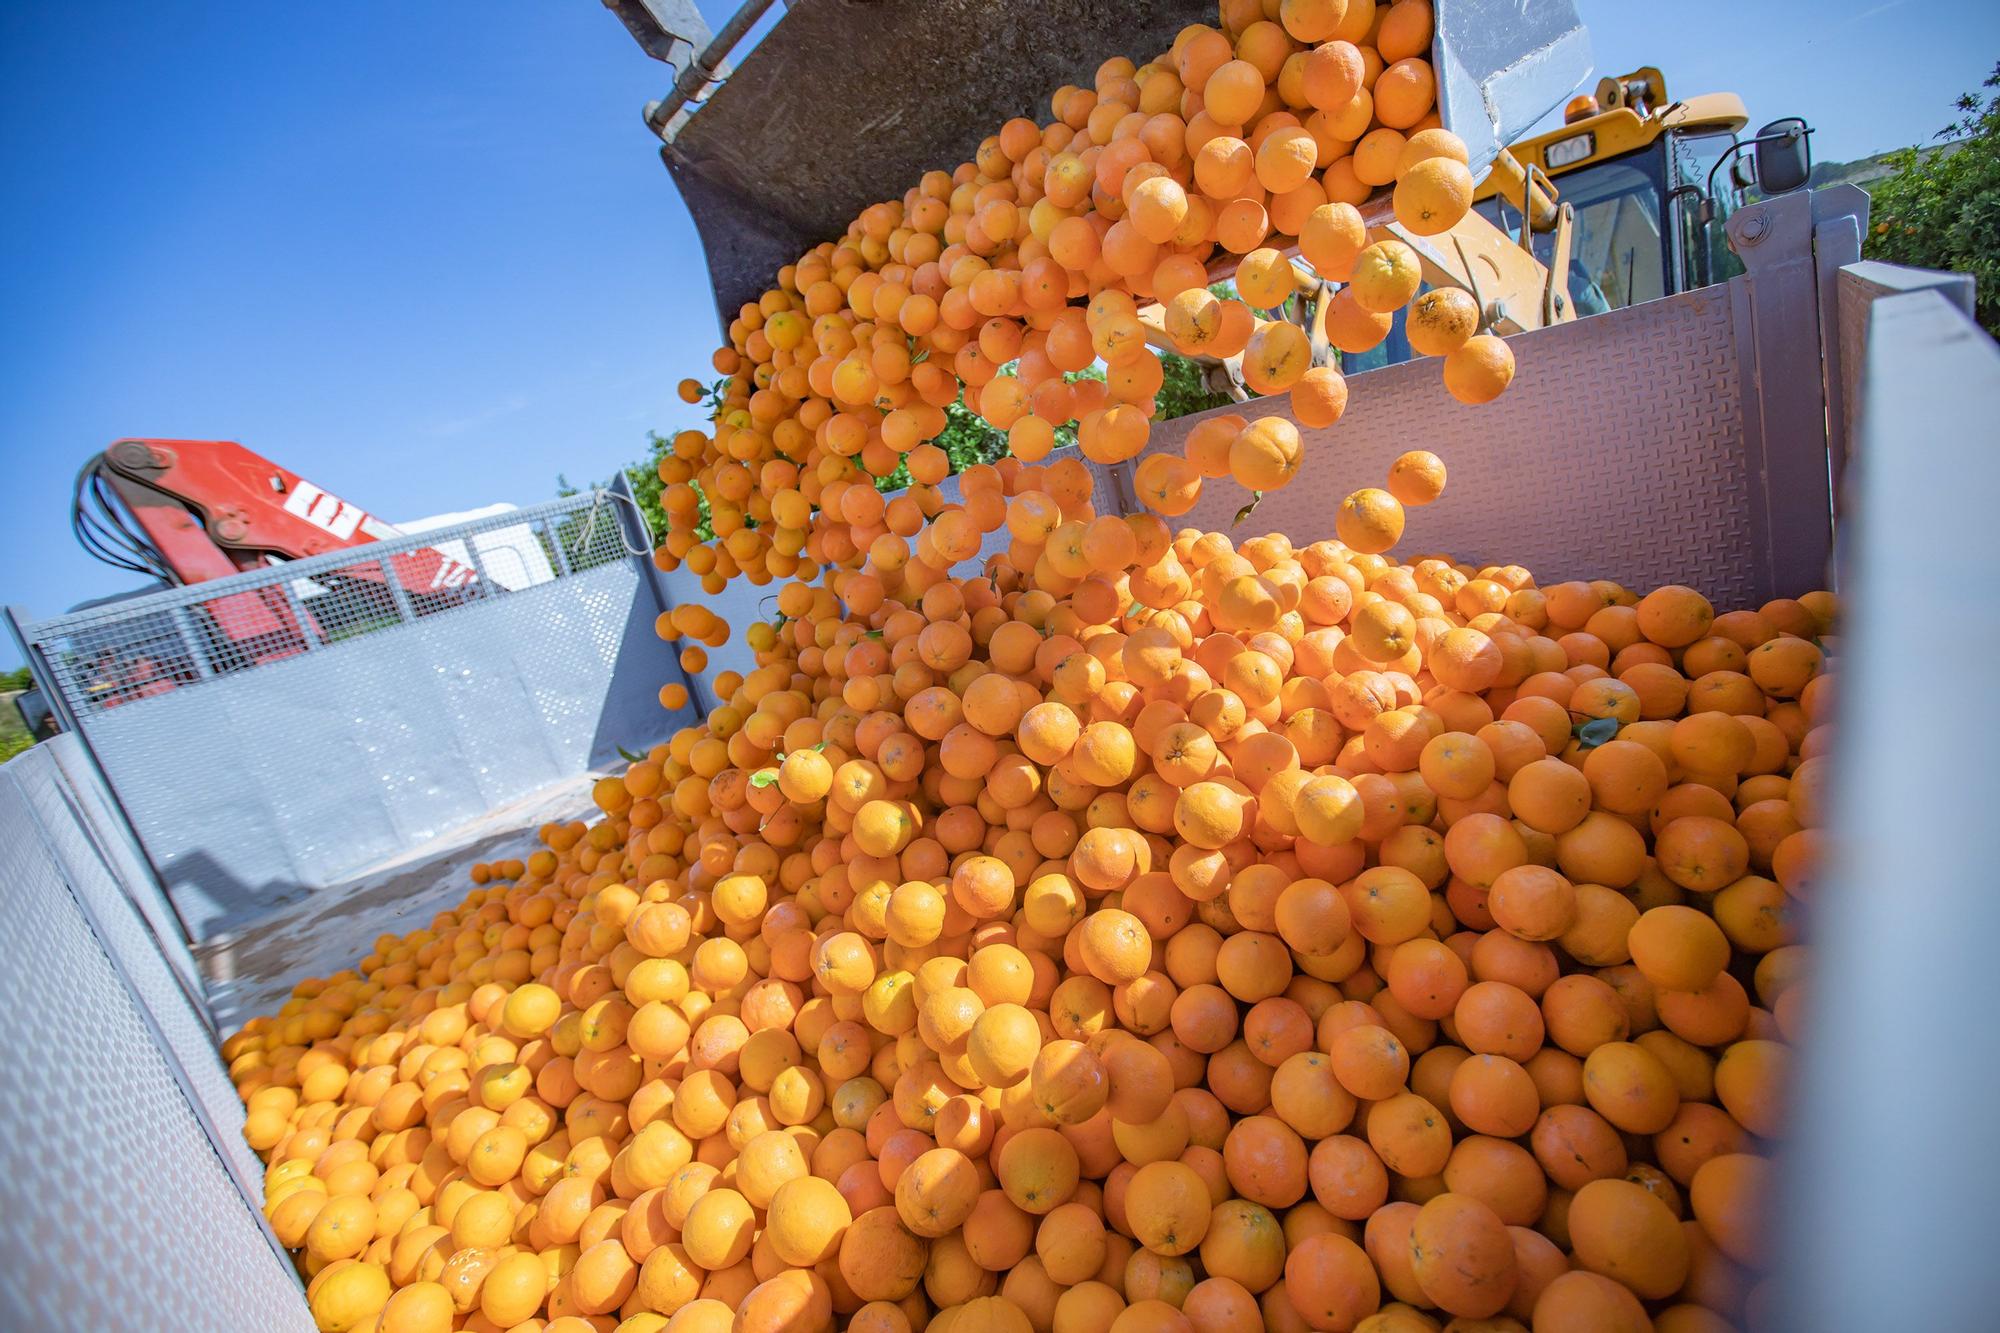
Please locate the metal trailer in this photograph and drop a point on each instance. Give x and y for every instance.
(1814, 411)
(1715, 426)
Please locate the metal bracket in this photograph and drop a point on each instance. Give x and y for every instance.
(1555, 300)
(661, 26)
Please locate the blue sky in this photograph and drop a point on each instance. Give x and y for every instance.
(425, 253)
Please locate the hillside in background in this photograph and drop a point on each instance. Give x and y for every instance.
(1864, 171)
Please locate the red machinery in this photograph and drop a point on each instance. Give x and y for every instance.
(188, 511)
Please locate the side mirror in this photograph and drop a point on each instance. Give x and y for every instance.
(1784, 156)
(1743, 173)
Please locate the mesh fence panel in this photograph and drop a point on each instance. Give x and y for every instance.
(272, 733)
(116, 655)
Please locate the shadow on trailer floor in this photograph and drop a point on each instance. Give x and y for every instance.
(251, 972)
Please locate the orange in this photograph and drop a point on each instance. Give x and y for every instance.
(1405, 30)
(936, 1192)
(1433, 194)
(1429, 143)
(1479, 370)
(1330, 1282)
(1353, 329)
(1462, 1256)
(1619, 1229)
(1264, 278)
(1678, 948)
(1319, 399)
(514, 1290)
(1277, 355)
(348, 1295)
(1417, 477)
(1332, 240)
(1157, 207)
(1585, 1300)
(1370, 521)
(1168, 1206)
(1233, 92)
(420, 1307)
(1750, 1082)
(1266, 454)
(1674, 617)
(1223, 167)
(879, 1258)
(806, 1220)
(1630, 1087)
(1728, 1196)
(1386, 277)
(1376, 155)
(1285, 159)
(1404, 92)
(1442, 321)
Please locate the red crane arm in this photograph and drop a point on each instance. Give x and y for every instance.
(213, 508)
(205, 509)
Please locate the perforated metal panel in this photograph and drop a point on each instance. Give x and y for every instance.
(61, 801)
(137, 649)
(1618, 453)
(114, 1203)
(254, 782)
(1876, 1230)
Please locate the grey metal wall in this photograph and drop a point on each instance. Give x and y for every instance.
(253, 784)
(1679, 441)
(1889, 1179)
(1621, 438)
(125, 1184)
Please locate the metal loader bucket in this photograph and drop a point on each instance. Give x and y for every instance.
(847, 102)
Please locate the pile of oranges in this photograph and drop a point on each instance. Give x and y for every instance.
(1141, 931)
(1001, 282)
(1359, 946)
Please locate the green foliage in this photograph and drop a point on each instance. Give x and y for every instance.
(1941, 209)
(1183, 393)
(14, 737)
(644, 476)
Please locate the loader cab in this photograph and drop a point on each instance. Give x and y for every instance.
(1636, 168)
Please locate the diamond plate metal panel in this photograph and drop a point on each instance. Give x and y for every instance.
(112, 1198)
(1618, 453)
(253, 783)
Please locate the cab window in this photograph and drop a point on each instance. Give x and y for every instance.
(1618, 247)
(1705, 256)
